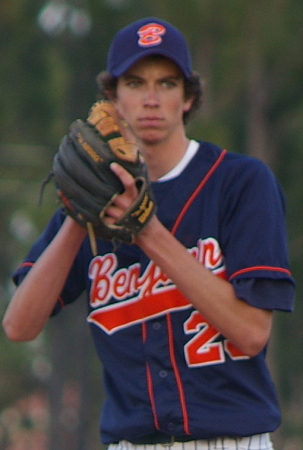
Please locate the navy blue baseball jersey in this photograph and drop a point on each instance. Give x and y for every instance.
(166, 369)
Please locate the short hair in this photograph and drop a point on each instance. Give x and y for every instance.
(107, 89)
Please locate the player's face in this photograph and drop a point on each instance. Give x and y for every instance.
(150, 97)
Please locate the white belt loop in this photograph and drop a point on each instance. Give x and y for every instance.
(256, 442)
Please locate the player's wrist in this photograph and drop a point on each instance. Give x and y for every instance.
(150, 233)
(77, 230)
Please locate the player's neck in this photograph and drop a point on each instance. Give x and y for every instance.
(163, 156)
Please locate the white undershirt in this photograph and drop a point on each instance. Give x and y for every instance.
(188, 156)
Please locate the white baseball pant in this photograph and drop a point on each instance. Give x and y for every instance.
(256, 442)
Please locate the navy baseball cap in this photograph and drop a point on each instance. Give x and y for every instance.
(148, 36)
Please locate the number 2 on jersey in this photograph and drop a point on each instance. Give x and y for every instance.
(202, 349)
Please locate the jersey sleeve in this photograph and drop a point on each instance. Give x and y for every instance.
(75, 282)
(254, 236)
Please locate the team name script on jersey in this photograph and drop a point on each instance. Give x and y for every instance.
(139, 296)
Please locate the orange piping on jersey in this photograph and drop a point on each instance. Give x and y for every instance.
(176, 372)
(170, 330)
(168, 317)
(144, 332)
(149, 381)
(253, 269)
(62, 304)
(151, 396)
(197, 190)
(27, 264)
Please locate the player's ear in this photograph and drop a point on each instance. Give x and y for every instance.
(188, 104)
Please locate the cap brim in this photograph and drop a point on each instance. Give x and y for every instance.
(128, 63)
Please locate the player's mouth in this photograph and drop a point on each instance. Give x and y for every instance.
(150, 122)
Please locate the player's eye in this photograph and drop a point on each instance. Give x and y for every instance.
(169, 84)
(134, 83)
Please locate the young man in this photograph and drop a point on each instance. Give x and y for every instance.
(180, 318)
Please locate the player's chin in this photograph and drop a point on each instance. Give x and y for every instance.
(151, 136)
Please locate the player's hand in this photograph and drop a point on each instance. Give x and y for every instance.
(121, 202)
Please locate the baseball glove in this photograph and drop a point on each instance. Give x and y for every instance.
(86, 185)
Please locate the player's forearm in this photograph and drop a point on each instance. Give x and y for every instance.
(247, 327)
(36, 296)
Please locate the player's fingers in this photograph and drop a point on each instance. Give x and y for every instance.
(123, 201)
(112, 214)
(126, 179)
(117, 208)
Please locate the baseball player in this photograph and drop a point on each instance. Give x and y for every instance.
(181, 316)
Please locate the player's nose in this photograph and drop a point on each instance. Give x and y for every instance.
(151, 97)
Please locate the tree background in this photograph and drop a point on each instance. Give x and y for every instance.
(250, 58)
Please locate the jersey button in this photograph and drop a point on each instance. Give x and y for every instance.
(157, 326)
(163, 374)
